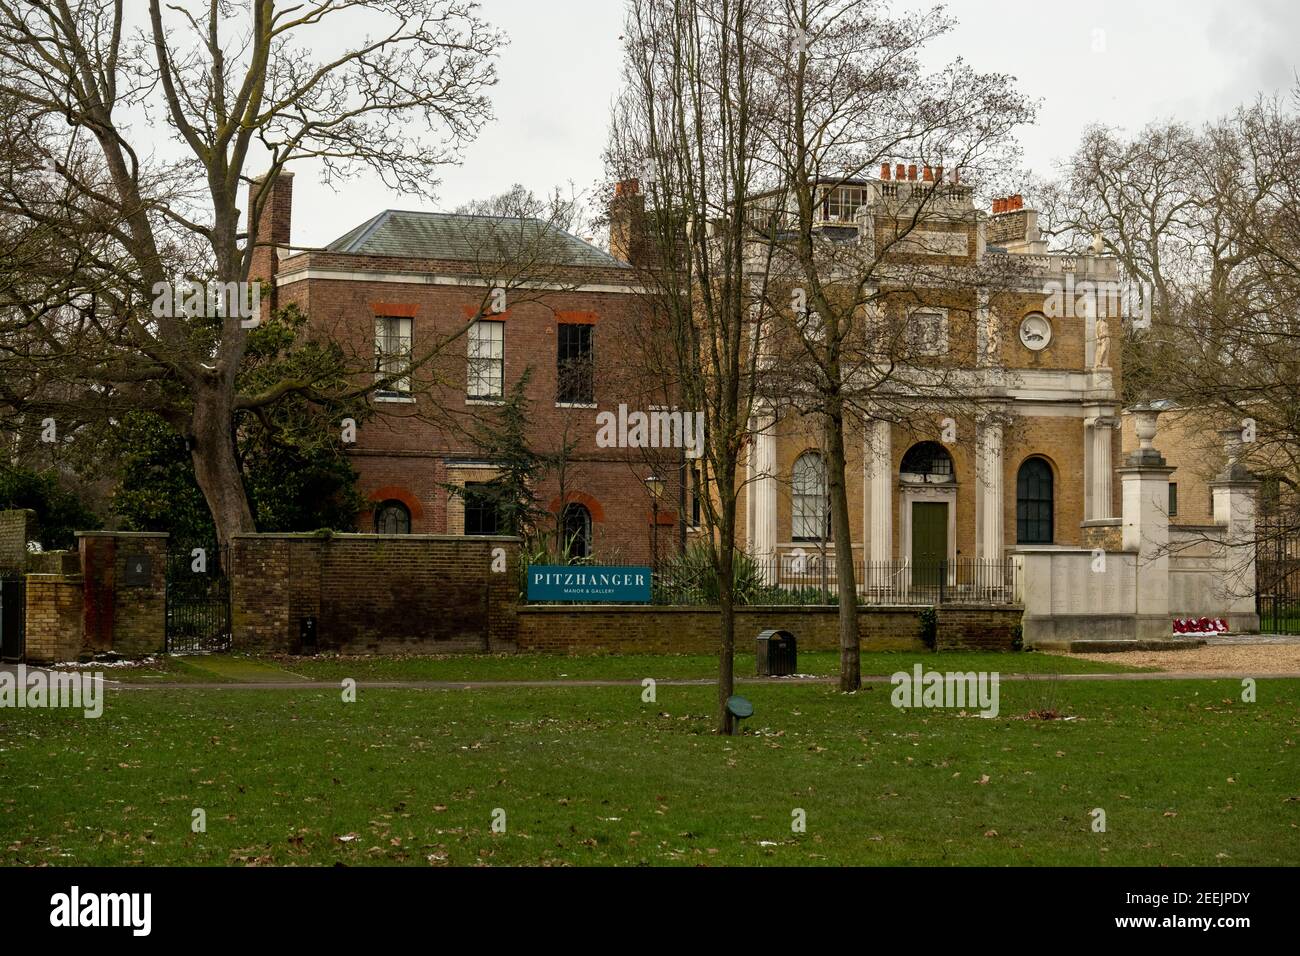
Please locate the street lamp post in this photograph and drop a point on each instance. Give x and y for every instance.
(655, 486)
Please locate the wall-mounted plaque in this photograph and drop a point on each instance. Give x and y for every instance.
(1035, 331)
(139, 571)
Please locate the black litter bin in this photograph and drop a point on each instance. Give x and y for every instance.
(307, 635)
(776, 654)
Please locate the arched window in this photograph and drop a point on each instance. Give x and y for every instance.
(812, 514)
(927, 461)
(577, 530)
(1034, 503)
(392, 517)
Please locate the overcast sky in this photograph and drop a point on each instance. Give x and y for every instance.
(1123, 62)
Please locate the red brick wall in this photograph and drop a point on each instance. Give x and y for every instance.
(372, 593)
(127, 620)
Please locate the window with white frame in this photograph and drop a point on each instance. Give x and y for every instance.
(843, 201)
(927, 332)
(575, 365)
(487, 360)
(811, 511)
(393, 356)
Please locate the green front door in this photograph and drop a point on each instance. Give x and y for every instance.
(929, 541)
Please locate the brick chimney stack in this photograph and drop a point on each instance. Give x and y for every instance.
(1012, 223)
(627, 239)
(272, 231)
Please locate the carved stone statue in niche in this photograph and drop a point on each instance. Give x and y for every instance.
(993, 337)
(1101, 355)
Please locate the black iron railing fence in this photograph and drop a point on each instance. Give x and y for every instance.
(812, 580)
(1277, 580)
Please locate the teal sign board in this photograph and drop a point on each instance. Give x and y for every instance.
(622, 585)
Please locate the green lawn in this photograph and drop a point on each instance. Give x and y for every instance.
(474, 667)
(1186, 773)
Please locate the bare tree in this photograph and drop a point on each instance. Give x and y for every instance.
(686, 127)
(1209, 219)
(849, 93)
(119, 219)
(1140, 200)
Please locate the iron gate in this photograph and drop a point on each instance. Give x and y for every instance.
(198, 600)
(1277, 580)
(13, 635)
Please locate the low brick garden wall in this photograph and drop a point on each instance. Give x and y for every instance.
(53, 612)
(990, 627)
(431, 594)
(419, 594)
(642, 629)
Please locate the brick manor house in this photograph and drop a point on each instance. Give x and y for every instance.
(398, 284)
(1033, 468)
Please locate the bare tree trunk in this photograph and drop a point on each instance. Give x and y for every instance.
(216, 466)
(836, 467)
(727, 648)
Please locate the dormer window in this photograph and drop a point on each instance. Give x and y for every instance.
(842, 202)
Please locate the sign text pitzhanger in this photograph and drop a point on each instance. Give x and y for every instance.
(558, 582)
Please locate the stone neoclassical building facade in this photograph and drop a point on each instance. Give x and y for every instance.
(1021, 457)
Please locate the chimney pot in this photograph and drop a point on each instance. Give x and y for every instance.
(928, 174)
(900, 171)
(911, 171)
(884, 170)
(938, 173)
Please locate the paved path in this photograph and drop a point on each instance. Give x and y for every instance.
(1227, 640)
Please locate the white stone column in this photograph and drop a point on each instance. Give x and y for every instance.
(880, 475)
(991, 490)
(763, 487)
(1099, 436)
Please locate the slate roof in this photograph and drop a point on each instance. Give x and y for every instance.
(436, 235)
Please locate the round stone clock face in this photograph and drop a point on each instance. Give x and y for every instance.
(1035, 332)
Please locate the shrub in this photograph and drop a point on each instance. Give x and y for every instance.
(929, 627)
(690, 578)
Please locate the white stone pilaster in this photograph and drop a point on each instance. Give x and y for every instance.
(880, 475)
(991, 490)
(763, 487)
